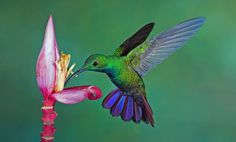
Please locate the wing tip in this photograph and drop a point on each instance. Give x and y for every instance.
(198, 20)
(151, 24)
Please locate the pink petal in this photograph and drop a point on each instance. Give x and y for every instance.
(46, 67)
(77, 94)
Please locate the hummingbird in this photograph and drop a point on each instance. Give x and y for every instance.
(131, 61)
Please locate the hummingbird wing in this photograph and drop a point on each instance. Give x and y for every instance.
(161, 46)
(135, 40)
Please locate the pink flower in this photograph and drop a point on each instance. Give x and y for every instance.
(52, 71)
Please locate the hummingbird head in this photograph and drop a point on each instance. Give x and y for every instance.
(95, 62)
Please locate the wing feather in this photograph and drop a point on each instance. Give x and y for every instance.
(166, 43)
(136, 39)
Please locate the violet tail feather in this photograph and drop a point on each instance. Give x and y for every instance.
(125, 106)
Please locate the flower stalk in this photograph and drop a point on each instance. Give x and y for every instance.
(49, 115)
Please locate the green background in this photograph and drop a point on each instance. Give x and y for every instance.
(193, 93)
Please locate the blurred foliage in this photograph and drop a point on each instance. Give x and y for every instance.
(192, 93)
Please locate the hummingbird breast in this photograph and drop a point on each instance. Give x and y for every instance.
(126, 79)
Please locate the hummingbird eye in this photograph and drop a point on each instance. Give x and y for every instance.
(95, 63)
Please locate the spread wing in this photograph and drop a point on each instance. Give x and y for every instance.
(160, 47)
(135, 40)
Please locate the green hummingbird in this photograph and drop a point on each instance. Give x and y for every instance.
(131, 61)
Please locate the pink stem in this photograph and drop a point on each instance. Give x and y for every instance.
(49, 115)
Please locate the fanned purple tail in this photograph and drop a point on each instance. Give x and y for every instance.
(129, 109)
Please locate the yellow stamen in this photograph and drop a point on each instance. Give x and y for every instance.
(62, 72)
(70, 70)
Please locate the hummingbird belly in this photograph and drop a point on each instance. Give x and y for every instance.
(128, 81)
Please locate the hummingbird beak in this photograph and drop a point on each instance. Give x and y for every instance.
(74, 75)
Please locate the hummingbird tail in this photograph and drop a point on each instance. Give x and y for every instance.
(147, 111)
(129, 109)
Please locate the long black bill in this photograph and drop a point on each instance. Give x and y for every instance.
(74, 75)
